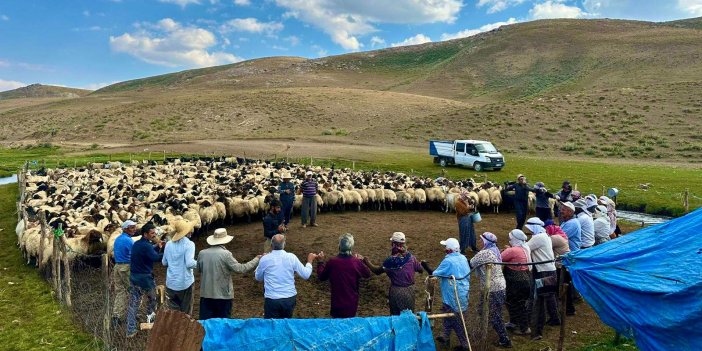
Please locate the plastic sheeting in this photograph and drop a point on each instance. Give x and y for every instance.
(403, 332)
(647, 285)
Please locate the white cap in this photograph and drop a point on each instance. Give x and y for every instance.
(451, 244)
(309, 173)
(128, 223)
(398, 237)
(569, 205)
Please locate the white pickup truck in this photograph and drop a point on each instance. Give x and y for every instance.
(477, 154)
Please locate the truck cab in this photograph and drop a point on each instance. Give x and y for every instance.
(477, 154)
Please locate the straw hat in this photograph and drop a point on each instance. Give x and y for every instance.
(180, 233)
(286, 175)
(219, 237)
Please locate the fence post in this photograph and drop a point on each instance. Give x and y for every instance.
(107, 318)
(485, 310)
(686, 200)
(42, 236)
(55, 256)
(164, 156)
(66, 270)
(563, 296)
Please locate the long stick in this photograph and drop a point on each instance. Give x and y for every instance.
(486, 308)
(564, 295)
(460, 311)
(108, 311)
(66, 270)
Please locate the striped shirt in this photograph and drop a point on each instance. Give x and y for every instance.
(309, 188)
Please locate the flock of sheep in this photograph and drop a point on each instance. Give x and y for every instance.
(89, 204)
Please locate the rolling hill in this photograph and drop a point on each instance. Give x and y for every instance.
(591, 88)
(43, 91)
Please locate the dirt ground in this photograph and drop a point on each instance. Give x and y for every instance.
(372, 230)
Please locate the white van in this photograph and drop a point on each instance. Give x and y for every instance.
(477, 154)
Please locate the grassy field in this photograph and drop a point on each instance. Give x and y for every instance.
(31, 318)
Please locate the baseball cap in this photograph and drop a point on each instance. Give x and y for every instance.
(569, 205)
(451, 244)
(128, 223)
(398, 237)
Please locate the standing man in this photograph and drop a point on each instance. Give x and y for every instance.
(120, 274)
(272, 224)
(545, 279)
(141, 276)
(563, 195)
(216, 265)
(454, 265)
(572, 229)
(344, 273)
(179, 258)
(277, 271)
(465, 207)
(286, 190)
(521, 199)
(309, 201)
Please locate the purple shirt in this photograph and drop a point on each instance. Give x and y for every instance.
(344, 274)
(404, 276)
(309, 188)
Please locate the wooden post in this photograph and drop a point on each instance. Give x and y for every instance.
(55, 257)
(174, 330)
(354, 165)
(164, 156)
(686, 200)
(66, 270)
(564, 295)
(42, 236)
(485, 308)
(107, 317)
(603, 191)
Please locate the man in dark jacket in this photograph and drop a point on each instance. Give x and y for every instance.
(141, 277)
(272, 224)
(286, 190)
(521, 199)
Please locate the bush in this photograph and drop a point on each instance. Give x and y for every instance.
(327, 132)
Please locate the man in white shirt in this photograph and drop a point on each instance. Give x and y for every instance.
(277, 271)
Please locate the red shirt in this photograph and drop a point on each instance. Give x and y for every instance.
(344, 274)
(515, 255)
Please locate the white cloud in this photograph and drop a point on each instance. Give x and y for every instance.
(10, 84)
(377, 42)
(86, 13)
(242, 2)
(181, 3)
(345, 21)
(498, 5)
(471, 32)
(415, 40)
(555, 9)
(251, 25)
(168, 43)
(293, 40)
(694, 7)
(4, 18)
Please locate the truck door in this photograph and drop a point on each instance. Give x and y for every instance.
(461, 154)
(472, 154)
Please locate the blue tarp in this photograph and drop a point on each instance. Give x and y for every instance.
(403, 332)
(647, 285)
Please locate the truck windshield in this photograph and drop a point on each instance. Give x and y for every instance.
(486, 148)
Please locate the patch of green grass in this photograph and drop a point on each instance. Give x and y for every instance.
(31, 317)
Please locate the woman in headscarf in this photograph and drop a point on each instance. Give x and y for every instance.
(602, 229)
(400, 267)
(465, 206)
(518, 279)
(611, 214)
(491, 254)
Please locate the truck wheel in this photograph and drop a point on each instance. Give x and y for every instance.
(443, 162)
(498, 169)
(477, 166)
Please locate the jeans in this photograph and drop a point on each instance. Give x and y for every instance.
(287, 211)
(309, 209)
(520, 213)
(135, 294)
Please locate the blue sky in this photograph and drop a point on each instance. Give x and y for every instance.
(92, 43)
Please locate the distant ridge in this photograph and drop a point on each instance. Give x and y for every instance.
(43, 91)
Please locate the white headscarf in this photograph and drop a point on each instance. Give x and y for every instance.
(535, 225)
(517, 238)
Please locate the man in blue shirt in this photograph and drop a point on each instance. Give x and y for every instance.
(286, 190)
(272, 224)
(570, 226)
(456, 265)
(179, 257)
(120, 274)
(141, 276)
